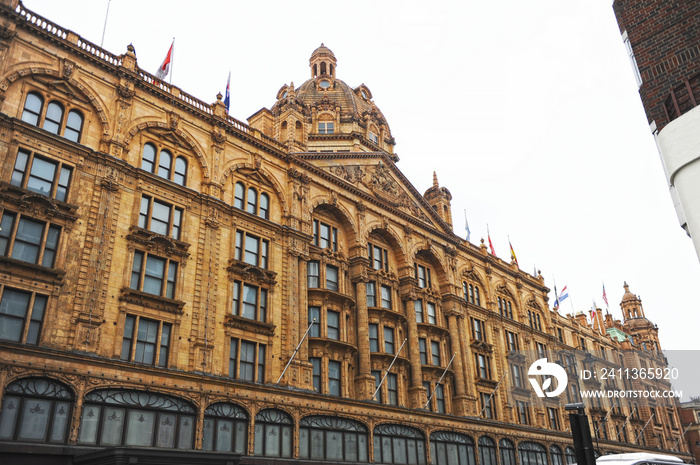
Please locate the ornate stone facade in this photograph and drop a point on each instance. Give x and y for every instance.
(172, 277)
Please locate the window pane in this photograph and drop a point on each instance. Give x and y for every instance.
(334, 445)
(74, 124)
(180, 171)
(250, 301)
(13, 311)
(35, 418)
(208, 434)
(166, 430)
(333, 325)
(251, 250)
(252, 201)
(148, 158)
(36, 319)
(264, 206)
(238, 195)
(20, 168)
(164, 163)
(140, 428)
(8, 417)
(27, 240)
(153, 279)
(32, 108)
(53, 118)
(160, 218)
(272, 440)
(112, 426)
(88, 424)
(186, 432)
(224, 435)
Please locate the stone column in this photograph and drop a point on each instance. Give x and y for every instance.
(460, 397)
(364, 381)
(417, 395)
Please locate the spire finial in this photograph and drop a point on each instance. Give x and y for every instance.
(435, 182)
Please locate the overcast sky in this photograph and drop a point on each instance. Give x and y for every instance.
(528, 112)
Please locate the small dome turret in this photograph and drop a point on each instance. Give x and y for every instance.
(322, 62)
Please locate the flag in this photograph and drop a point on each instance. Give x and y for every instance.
(493, 252)
(164, 68)
(605, 296)
(512, 253)
(227, 99)
(556, 299)
(564, 294)
(466, 225)
(593, 312)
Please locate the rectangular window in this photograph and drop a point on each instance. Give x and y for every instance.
(423, 275)
(373, 337)
(371, 294)
(423, 351)
(432, 314)
(325, 127)
(251, 249)
(478, 330)
(373, 138)
(378, 257)
(418, 304)
(325, 236)
(41, 175)
(153, 275)
(541, 350)
(315, 314)
(388, 340)
(523, 413)
(21, 316)
(313, 275)
(428, 391)
(316, 372)
(386, 297)
(334, 378)
(245, 358)
(512, 341)
(435, 352)
(28, 240)
(560, 335)
(249, 301)
(392, 387)
(332, 278)
(333, 320)
(516, 372)
(440, 398)
(483, 366)
(487, 404)
(377, 379)
(553, 418)
(146, 341)
(160, 217)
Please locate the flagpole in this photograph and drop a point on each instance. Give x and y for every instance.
(389, 369)
(625, 423)
(681, 437)
(440, 381)
(492, 393)
(104, 28)
(296, 350)
(636, 441)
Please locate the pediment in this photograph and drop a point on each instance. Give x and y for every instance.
(63, 86)
(386, 185)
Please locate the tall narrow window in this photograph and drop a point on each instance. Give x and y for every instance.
(264, 211)
(432, 313)
(423, 351)
(325, 236)
(386, 297)
(315, 317)
(334, 381)
(53, 118)
(333, 320)
(316, 373)
(373, 337)
(32, 108)
(633, 60)
(418, 304)
(313, 274)
(371, 289)
(239, 195)
(392, 388)
(180, 175)
(164, 164)
(435, 352)
(332, 278)
(388, 340)
(252, 201)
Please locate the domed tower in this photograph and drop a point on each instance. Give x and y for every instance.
(440, 199)
(644, 332)
(324, 114)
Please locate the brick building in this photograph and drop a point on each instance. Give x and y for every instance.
(177, 286)
(663, 42)
(690, 420)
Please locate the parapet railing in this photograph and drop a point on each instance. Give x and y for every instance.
(98, 52)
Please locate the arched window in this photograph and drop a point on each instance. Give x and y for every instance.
(570, 455)
(36, 410)
(264, 211)
(248, 199)
(225, 428)
(74, 125)
(32, 108)
(398, 444)
(507, 449)
(471, 293)
(532, 453)
(252, 201)
(273, 434)
(115, 417)
(447, 448)
(164, 162)
(180, 176)
(54, 117)
(333, 439)
(148, 157)
(487, 451)
(556, 455)
(239, 195)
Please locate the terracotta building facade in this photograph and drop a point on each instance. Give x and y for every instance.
(177, 286)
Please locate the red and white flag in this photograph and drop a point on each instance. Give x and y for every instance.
(164, 69)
